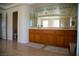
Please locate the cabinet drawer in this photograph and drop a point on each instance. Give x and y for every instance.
(60, 32)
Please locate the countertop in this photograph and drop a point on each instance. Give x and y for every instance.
(49, 28)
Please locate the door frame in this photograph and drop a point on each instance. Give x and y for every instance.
(16, 25)
(6, 24)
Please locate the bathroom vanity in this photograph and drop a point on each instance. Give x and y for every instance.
(55, 25)
(55, 37)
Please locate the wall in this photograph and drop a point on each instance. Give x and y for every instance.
(23, 24)
(3, 23)
(23, 17)
(77, 52)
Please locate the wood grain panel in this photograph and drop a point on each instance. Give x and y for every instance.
(61, 38)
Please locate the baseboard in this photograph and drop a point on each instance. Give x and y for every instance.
(23, 42)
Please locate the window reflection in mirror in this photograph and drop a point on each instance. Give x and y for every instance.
(55, 23)
(51, 22)
(45, 23)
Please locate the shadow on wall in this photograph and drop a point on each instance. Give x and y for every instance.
(0, 26)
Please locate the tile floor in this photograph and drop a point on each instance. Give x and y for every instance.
(11, 48)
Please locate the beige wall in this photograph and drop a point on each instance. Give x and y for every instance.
(23, 17)
(3, 24)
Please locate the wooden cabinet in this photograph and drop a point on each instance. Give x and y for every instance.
(70, 37)
(60, 41)
(61, 38)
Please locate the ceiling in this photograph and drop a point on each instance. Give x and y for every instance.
(34, 5)
(7, 5)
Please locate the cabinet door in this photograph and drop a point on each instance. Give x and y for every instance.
(31, 36)
(47, 39)
(50, 39)
(70, 37)
(42, 36)
(60, 41)
(53, 40)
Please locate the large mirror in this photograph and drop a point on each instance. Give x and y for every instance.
(54, 16)
(54, 22)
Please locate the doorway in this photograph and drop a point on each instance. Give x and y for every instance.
(15, 26)
(6, 24)
(0, 26)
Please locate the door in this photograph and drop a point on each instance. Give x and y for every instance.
(6, 24)
(0, 26)
(15, 19)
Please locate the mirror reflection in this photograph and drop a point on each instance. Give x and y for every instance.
(54, 16)
(53, 22)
